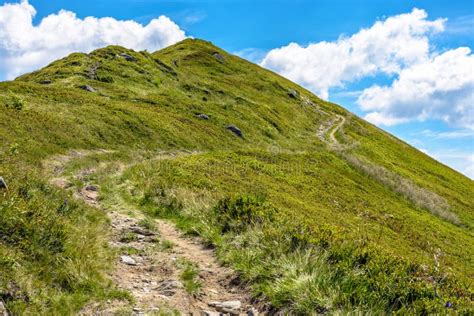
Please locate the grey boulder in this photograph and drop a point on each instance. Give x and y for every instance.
(3, 184)
(218, 56)
(128, 57)
(234, 129)
(293, 94)
(203, 116)
(87, 88)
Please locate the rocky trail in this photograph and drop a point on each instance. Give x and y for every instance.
(164, 271)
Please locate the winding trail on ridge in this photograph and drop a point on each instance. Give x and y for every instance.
(332, 134)
(328, 129)
(149, 263)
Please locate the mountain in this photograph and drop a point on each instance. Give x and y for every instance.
(315, 209)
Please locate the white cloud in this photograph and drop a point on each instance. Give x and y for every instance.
(426, 84)
(456, 134)
(440, 88)
(386, 47)
(380, 119)
(469, 166)
(460, 160)
(25, 47)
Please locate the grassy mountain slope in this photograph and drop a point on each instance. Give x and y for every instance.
(364, 223)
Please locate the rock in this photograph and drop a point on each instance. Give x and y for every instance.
(230, 307)
(141, 231)
(163, 297)
(203, 116)
(3, 309)
(92, 188)
(231, 304)
(209, 313)
(128, 57)
(252, 312)
(293, 94)
(214, 303)
(230, 311)
(87, 88)
(234, 129)
(45, 82)
(168, 287)
(308, 102)
(218, 56)
(3, 184)
(128, 260)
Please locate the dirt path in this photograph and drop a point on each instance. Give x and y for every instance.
(327, 131)
(332, 134)
(164, 271)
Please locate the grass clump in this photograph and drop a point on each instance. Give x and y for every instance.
(47, 238)
(15, 102)
(189, 276)
(128, 237)
(241, 213)
(166, 245)
(148, 223)
(421, 197)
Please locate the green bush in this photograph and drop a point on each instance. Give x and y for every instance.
(242, 212)
(15, 102)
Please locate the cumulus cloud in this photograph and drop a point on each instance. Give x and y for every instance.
(440, 88)
(25, 46)
(386, 47)
(427, 85)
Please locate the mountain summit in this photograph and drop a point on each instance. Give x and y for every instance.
(314, 209)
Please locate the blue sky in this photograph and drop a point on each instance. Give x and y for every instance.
(357, 38)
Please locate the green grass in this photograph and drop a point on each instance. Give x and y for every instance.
(308, 249)
(304, 225)
(166, 245)
(189, 275)
(148, 223)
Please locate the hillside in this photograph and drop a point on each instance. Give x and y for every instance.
(315, 209)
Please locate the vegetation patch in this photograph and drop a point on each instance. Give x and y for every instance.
(189, 276)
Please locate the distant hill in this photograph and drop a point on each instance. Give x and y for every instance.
(317, 210)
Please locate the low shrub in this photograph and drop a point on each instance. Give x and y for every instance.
(239, 213)
(15, 102)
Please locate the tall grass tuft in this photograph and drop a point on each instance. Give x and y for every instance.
(421, 197)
